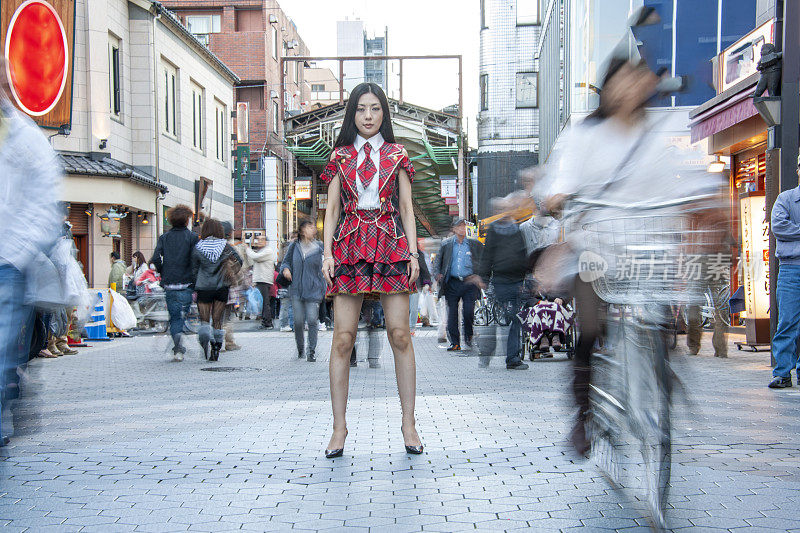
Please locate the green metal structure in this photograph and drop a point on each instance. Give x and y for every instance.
(430, 137)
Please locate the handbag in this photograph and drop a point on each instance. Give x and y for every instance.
(231, 271)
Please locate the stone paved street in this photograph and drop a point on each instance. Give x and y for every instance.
(119, 438)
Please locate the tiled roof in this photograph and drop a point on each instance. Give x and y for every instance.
(110, 168)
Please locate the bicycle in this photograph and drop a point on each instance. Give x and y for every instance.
(631, 389)
(488, 310)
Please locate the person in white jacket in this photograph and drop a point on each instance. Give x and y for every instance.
(263, 259)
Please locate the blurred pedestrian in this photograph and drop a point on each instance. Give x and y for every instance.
(118, 268)
(786, 228)
(263, 258)
(214, 266)
(31, 221)
(172, 259)
(504, 266)
(423, 283)
(235, 293)
(456, 267)
(303, 267)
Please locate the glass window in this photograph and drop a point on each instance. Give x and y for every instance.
(696, 44)
(527, 12)
(483, 14)
(275, 112)
(527, 89)
(317, 87)
(484, 92)
(198, 113)
(203, 24)
(170, 105)
(219, 130)
(114, 77)
(274, 42)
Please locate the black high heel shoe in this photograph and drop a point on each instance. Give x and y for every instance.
(332, 454)
(413, 450)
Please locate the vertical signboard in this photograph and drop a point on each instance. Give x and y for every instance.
(242, 122)
(37, 37)
(755, 255)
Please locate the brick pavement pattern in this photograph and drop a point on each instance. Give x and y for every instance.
(120, 438)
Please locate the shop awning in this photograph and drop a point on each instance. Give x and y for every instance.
(82, 164)
(724, 110)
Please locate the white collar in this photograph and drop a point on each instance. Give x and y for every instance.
(376, 141)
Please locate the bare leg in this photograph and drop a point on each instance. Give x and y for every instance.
(395, 310)
(346, 309)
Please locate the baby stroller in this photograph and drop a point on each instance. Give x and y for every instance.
(547, 327)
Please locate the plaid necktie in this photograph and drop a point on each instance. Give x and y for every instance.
(367, 169)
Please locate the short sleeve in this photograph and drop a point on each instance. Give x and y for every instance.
(330, 171)
(405, 164)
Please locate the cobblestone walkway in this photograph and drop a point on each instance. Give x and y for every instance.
(119, 438)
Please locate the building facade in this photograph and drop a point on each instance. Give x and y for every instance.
(251, 37)
(352, 40)
(508, 121)
(150, 129)
(324, 88)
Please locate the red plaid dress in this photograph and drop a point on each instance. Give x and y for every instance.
(370, 248)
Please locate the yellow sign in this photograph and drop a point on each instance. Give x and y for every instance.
(755, 255)
(302, 190)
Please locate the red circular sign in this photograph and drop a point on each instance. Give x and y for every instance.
(36, 57)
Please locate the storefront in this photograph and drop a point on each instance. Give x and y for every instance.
(735, 130)
(111, 208)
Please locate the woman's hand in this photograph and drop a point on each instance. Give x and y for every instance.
(327, 269)
(413, 270)
(287, 274)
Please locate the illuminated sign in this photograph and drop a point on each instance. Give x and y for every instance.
(740, 60)
(37, 38)
(302, 190)
(755, 254)
(242, 122)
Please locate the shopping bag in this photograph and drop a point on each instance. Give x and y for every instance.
(254, 301)
(122, 316)
(54, 279)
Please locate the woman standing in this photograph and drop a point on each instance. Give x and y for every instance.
(372, 251)
(263, 259)
(302, 265)
(138, 267)
(214, 263)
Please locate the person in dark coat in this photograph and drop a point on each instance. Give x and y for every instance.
(213, 262)
(504, 264)
(455, 268)
(172, 259)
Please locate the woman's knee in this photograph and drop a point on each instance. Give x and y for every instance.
(399, 338)
(343, 342)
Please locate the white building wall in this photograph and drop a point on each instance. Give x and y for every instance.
(505, 50)
(350, 42)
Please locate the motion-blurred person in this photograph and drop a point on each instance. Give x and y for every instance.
(214, 266)
(262, 257)
(612, 156)
(235, 293)
(786, 228)
(423, 282)
(503, 265)
(303, 267)
(30, 220)
(374, 342)
(456, 265)
(116, 276)
(172, 259)
(285, 313)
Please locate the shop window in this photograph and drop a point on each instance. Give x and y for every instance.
(750, 173)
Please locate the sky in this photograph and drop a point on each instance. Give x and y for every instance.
(416, 27)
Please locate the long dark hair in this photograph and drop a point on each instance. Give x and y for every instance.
(139, 258)
(349, 130)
